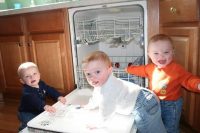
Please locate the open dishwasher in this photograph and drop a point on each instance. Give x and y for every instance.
(118, 29)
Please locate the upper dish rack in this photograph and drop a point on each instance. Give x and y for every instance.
(104, 29)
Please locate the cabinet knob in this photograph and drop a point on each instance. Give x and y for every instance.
(173, 10)
(28, 43)
(19, 44)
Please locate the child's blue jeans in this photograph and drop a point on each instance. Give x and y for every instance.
(147, 113)
(24, 118)
(171, 113)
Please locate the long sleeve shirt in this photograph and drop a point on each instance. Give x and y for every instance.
(33, 99)
(166, 82)
(115, 95)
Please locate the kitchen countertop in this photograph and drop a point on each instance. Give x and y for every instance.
(72, 4)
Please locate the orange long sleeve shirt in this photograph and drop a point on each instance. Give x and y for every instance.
(166, 82)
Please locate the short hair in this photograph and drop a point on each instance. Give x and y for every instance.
(160, 37)
(97, 55)
(25, 66)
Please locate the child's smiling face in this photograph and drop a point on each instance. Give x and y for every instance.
(161, 53)
(31, 77)
(97, 72)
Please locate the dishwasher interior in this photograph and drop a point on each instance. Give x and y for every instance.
(118, 29)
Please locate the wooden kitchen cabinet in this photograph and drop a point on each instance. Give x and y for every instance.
(184, 29)
(12, 53)
(41, 37)
(187, 49)
(48, 51)
(173, 11)
(11, 25)
(48, 38)
(185, 41)
(46, 21)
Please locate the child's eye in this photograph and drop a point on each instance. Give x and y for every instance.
(166, 52)
(88, 74)
(155, 53)
(27, 76)
(97, 72)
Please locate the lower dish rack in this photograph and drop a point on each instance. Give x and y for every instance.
(118, 71)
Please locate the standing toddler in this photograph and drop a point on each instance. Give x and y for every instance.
(166, 79)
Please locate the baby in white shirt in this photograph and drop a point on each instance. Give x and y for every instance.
(113, 95)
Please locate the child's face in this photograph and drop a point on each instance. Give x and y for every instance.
(31, 77)
(161, 53)
(97, 73)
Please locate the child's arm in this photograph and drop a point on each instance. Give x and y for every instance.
(62, 99)
(137, 70)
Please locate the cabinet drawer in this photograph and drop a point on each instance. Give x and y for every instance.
(179, 10)
(45, 21)
(10, 25)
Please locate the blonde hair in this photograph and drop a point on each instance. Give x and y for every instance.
(160, 37)
(25, 66)
(97, 55)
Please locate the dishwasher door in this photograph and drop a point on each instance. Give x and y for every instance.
(71, 118)
(118, 29)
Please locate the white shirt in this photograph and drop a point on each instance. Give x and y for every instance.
(115, 96)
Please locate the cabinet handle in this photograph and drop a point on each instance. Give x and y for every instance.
(19, 44)
(173, 10)
(28, 44)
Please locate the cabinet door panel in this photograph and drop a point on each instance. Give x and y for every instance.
(181, 46)
(46, 21)
(10, 25)
(185, 41)
(186, 45)
(173, 11)
(46, 52)
(196, 115)
(42, 37)
(12, 54)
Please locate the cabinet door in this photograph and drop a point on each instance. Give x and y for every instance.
(49, 52)
(11, 24)
(45, 21)
(12, 54)
(179, 10)
(185, 41)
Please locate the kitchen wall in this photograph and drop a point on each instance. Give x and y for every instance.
(3, 5)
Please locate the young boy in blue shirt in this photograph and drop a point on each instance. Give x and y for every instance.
(34, 94)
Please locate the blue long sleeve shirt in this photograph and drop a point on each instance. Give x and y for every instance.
(33, 99)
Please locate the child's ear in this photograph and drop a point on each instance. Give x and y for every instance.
(21, 81)
(149, 57)
(110, 69)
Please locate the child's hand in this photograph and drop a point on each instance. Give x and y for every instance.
(62, 99)
(49, 109)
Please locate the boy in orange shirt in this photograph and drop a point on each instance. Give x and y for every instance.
(166, 78)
